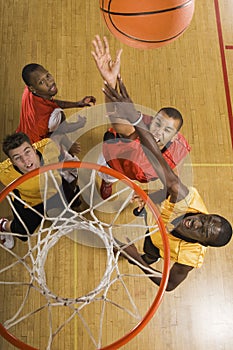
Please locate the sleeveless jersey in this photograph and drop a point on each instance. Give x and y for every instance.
(186, 253)
(128, 157)
(32, 190)
(34, 115)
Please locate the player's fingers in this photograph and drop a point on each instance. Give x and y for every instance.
(92, 99)
(97, 43)
(112, 91)
(89, 99)
(106, 45)
(94, 55)
(134, 197)
(118, 55)
(108, 94)
(122, 87)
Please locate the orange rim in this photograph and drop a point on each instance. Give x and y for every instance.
(166, 267)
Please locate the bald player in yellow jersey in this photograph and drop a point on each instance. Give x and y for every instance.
(190, 229)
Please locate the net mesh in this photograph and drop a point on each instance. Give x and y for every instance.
(107, 295)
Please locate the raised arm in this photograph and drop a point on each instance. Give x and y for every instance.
(87, 101)
(67, 127)
(177, 275)
(109, 70)
(125, 108)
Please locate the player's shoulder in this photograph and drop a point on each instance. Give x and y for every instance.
(7, 172)
(42, 143)
(182, 140)
(6, 164)
(49, 149)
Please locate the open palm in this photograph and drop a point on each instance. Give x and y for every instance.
(108, 68)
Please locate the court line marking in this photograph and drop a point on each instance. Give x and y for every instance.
(75, 290)
(224, 67)
(210, 164)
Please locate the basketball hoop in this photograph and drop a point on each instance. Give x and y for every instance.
(117, 274)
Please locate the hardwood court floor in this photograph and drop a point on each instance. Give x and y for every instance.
(194, 74)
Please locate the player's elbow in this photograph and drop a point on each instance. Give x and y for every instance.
(178, 274)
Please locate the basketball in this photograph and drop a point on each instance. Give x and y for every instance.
(147, 24)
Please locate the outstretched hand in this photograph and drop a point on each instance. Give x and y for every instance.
(87, 101)
(140, 202)
(75, 148)
(122, 102)
(108, 68)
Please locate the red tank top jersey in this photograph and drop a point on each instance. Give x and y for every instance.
(34, 116)
(128, 157)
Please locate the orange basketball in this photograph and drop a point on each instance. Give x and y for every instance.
(147, 24)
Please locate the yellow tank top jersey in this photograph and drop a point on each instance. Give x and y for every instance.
(32, 190)
(191, 254)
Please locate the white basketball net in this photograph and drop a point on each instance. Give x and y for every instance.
(36, 298)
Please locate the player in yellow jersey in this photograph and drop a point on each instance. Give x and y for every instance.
(190, 228)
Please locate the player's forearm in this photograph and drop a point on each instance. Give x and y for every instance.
(66, 104)
(66, 142)
(65, 127)
(145, 268)
(123, 128)
(173, 282)
(158, 196)
(154, 154)
(170, 180)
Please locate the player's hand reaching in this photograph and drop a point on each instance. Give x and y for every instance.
(108, 68)
(75, 148)
(123, 104)
(132, 252)
(87, 101)
(140, 202)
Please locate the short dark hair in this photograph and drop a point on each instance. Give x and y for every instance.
(13, 141)
(225, 234)
(27, 70)
(174, 114)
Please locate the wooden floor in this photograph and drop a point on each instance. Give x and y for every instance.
(194, 74)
